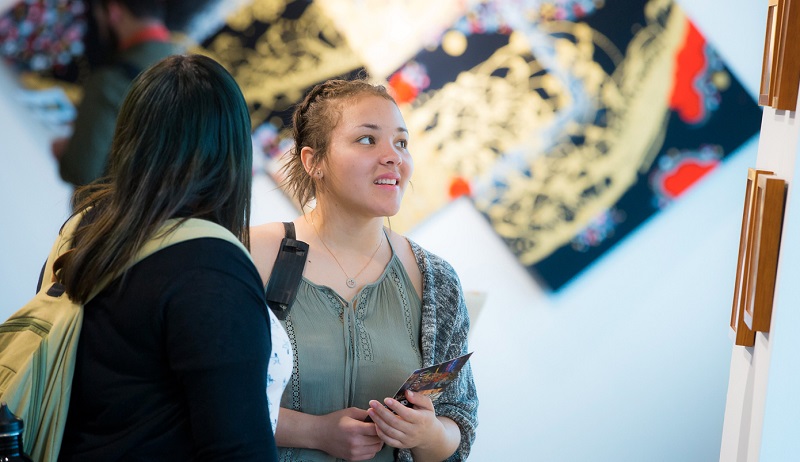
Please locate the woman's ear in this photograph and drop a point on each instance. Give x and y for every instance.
(310, 164)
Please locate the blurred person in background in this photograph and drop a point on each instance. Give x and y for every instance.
(124, 38)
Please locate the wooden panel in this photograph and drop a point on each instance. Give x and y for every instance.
(768, 221)
(780, 65)
(744, 335)
(769, 63)
(787, 79)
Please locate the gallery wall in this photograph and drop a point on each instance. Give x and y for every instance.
(761, 408)
(779, 422)
(628, 362)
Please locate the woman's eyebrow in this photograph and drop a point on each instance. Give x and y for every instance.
(376, 127)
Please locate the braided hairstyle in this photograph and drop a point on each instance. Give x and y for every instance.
(313, 121)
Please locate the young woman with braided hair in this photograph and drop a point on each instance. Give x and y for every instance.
(372, 305)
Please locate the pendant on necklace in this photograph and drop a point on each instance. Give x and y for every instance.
(351, 282)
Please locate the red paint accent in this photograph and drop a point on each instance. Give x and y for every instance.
(403, 91)
(459, 187)
(690, 63)
(685, 175)
(153, 33)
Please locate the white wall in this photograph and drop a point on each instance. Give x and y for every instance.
(33, 198)
(628, 363)
(762, 405)
(782, 406)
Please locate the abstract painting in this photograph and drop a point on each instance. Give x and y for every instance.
(567, 123)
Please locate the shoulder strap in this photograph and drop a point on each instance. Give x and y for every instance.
(287, 272)
(62, 244)
(175, 231)
(172, 232)
(288, 227)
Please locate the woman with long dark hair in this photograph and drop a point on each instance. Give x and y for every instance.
(172, 358)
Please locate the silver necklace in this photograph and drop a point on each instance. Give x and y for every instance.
(350, 281)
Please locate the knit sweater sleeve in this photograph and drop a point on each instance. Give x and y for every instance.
(444, 332)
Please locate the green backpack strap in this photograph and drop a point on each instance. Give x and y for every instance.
(62, 243)
(175, 231)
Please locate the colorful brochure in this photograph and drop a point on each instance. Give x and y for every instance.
(431, 380)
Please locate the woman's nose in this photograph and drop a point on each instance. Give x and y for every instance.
(391, 156)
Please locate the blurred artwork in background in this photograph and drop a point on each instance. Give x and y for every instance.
(387, 33)
(56, 39)
(44, 37)
(277, 50)
(568, 123)
(52, 45)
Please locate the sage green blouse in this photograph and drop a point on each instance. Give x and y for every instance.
(348, 353)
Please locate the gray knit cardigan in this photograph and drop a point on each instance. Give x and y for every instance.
(444, 330)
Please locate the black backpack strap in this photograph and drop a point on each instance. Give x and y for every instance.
(288, 228)
(286, 273)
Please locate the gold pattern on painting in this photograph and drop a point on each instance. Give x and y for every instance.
(466, 127)
(547, 151)
(290, 56)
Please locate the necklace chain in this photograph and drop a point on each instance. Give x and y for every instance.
(350, 281)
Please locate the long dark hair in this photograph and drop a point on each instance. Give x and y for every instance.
(181, 149)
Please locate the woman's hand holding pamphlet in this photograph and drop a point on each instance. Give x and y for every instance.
(430, 381)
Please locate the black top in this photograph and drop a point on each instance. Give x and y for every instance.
(172, 364)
